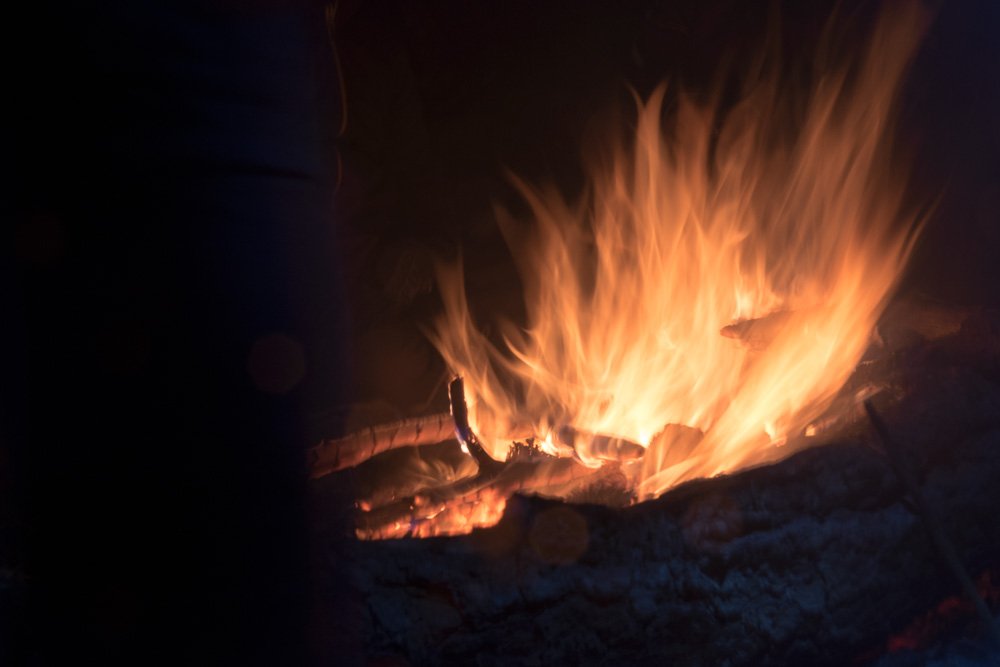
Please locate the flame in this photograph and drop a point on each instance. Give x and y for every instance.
(723, 272)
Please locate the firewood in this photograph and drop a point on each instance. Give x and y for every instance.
(812, 561)
(480, 499)
(351, 450)
(460, 416)
(756, 334)
(601, 446)
(468, 503)
(817, 559)
(337, 454)
(451, 508)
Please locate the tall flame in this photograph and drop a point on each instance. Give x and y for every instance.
(725, 280)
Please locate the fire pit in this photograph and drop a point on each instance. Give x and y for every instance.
(819, 559)
(700, 307)
(713, 434)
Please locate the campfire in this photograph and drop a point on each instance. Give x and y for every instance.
(700, 412)
(696, 312)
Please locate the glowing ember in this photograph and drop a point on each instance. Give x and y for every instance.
(428, 519)
(722, 279)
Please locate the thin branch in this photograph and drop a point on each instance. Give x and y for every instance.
(351, 450)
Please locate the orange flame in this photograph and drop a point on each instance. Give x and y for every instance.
(784, 232)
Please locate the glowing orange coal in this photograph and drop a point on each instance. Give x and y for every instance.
(724, 272)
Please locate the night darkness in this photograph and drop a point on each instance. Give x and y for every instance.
(203, 270)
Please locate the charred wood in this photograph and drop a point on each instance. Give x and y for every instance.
(488, 466)
(817, 559)
(813, 561)
(756, 334)
(470, 502)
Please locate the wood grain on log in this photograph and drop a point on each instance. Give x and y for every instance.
(340, 453)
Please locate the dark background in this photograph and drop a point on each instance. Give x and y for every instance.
(220, 252)
(177, 331)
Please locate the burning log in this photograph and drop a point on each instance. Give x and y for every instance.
(819, 559)
(488, 466)
(470, 503)
(756, 334)
(813, 561)
(479, 500)
(445, 506)
(599, 446)
(337, 454)
(341, 453)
